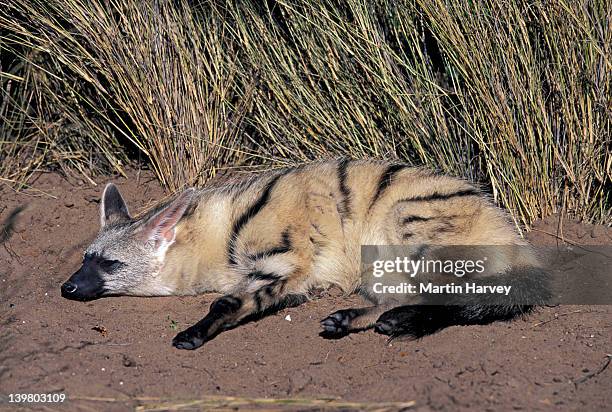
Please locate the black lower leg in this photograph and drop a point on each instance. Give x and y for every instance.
(218, 318)
(414, 321)
(420, 320)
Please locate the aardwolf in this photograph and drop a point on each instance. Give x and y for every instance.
(270, 240)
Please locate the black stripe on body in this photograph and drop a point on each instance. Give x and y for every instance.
(258, 275)
(385, 180)
(283, 248)
(270, 252)
(251, 212)
(441, 196)
(410, 219)
(344, 207)
(286, 239)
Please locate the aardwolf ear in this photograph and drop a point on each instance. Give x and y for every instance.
(161, 227)
(112, 206)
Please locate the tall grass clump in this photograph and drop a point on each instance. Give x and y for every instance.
(13, 118)
(514, 95)
(121, 77)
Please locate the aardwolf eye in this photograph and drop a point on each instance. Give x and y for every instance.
(110, 265)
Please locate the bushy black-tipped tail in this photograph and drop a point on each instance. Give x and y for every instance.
(529, 288)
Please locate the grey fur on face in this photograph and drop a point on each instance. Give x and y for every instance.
(123, 244)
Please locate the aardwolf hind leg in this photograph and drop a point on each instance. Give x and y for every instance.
(417, 321)
(345, 321)
(228, 311)
(530, 288)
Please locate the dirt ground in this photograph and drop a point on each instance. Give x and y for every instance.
(118, 349)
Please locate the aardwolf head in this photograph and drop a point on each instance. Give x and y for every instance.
(127, 253)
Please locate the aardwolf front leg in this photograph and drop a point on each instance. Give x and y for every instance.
(227, 312)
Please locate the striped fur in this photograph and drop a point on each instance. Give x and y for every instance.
(269, 240)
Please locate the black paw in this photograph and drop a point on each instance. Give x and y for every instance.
(405, 320)
(414, 321)
(339, 323)
(387, 327)
(187, 340)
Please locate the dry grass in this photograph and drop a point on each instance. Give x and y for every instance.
(135, 76)
(515, 95)
(208, 403)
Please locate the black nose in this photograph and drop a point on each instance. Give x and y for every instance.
(68, 288)
(85, 284)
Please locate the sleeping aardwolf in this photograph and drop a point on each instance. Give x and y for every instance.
(269, 240)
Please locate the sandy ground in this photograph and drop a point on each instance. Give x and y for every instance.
(119, 348)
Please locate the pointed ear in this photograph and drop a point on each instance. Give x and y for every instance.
(112, 206)
(161, 227)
